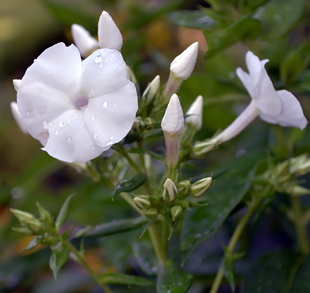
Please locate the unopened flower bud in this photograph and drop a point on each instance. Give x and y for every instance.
(298, 190)
(195, 113)
(176, 211)
(16, 83)
(108, 33)
(130, 75)
(149, 123)
(23, 230)
(138, 125)
(28, 220)
(200, 187)
(44, 214)
(170, 191)
(183, 65)
(202, 147)
(173, 120)
(151, 90)
(142, 201)
(151, 213)
(184, 187)
(83, 40)
(184, 204)
(17, 117)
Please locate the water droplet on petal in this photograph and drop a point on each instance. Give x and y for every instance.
(96, 135)
(56, 132)
(61, 124)
(115, 105)
(93, 118)
(47, 72)
(44, 122)
(105, 104)
(69, 121)
(92, 147)
(69, 139)
(28, 112)
(98, 59)
(111, 137)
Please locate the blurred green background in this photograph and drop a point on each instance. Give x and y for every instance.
(153, 36)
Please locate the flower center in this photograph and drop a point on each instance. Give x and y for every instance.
(81, 102)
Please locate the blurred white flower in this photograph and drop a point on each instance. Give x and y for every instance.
(195, 113)
(276, 107)
(109, 36)
(173, 120)
(77, 109)
(17, 117)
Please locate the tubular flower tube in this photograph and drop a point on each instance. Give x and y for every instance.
(276, 107)
(109, 36)
(77, 110)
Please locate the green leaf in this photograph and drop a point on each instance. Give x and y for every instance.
(172, 279)
(278, 17)
(33, 243)
(192, 19)
(114, 227)
(130, 138)
(130, 184)
(62, 216)
(294, 63)
(229, 271)
(278, 272)
(145, 257)
(146, 152)
(201, 223)
(218, 40)
(58, 259)
(123, 279)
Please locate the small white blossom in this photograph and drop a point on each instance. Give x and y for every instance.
(276, 107)
(83, 40)
(173, 120)
(109, 36)
(183, 65)
(77, 109)
(17, 117)
(195, 113)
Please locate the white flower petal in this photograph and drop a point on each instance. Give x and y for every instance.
(16, 83)
(83, 40)
(110, 117)
(59, 67)
(246, 80)
(291, 114)
(173, 120)
(69, 139)
(39, 104)
(17, 117)
(108, 33)
(104, 71)
(268, 119)
(255, 67)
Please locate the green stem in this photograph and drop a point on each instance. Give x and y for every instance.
(159, 243)
(232, 243)
(128, 198)
(300, 225)
(84, 263)
(128, 158)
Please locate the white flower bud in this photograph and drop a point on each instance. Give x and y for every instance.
(170, 190)
(130, 75)
(83, 40)
(173, 120)
(108, 33)
(176, 211)
(142, 201)
(151, 90)
(17, 117)
(195, 113)
(182, 66)
(16, 83)
(200, 186)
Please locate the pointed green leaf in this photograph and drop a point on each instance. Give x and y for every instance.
(172, 279)
(62, 216)
(58, 259)
(114, 227)
(33, 243)
(130, 184)
(229, 271)
(123, 279)
(201, 223)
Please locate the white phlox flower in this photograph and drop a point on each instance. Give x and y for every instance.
(276, 107)
(77, 110)
(109, 36)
